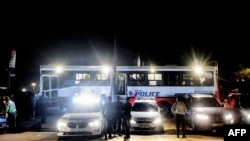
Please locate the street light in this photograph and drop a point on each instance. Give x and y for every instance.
(33, 86)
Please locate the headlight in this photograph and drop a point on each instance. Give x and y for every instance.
(132, 121)
(157, 120)
(228, 116)
(95, 123)
(201, 116)
(61, 123)
(248, 116)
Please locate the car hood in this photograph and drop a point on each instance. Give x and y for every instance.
(81, 116)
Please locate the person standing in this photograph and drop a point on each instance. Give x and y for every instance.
(179, 109)
(109, 116)
(11, 112)
(118, 116)
(43, 103)
(33, 105)
(127, 116)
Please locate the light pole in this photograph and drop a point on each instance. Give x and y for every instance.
(33, 86)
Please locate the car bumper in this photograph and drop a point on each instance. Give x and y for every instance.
(79, 132)
(146, 127)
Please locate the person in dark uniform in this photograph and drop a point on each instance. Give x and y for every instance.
(118, 116)
(43, 103)
(109, 112)
(127, 116)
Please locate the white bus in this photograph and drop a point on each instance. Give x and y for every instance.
(161, 82)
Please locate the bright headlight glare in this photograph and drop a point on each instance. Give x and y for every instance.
(157, 120)
(61, 123)
(132, 121)
(201, 116)
(95, 123)
(228, 116)
(248, 116)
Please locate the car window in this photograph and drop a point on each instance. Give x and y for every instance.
(145, 107)
(205, 102)
(78, 108)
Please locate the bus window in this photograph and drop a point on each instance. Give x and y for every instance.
(45, 82)
(136, 79)
(101, 79)
(172, 78)
(82, 78)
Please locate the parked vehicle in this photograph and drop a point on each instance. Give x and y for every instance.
(83, 118)
(205, 113)
(239, 102)
(146, 116)
(3, 120)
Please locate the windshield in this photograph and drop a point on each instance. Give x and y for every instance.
(205, 102)
(145, 107)
(79, 108)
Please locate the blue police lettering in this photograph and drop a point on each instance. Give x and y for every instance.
(141, 93)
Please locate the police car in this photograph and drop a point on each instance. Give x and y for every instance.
(83, 118)
(146, 116)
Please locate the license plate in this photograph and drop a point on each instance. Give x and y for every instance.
(144, 126)
(217, 124)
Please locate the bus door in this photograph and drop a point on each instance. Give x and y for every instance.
(121, 83)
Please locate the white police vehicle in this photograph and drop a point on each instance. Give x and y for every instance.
(146, 116)
(83, 118)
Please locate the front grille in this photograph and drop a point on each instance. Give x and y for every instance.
(144, 121)
(77, 124)
(216, 118)
(149, 128)
(77, 133)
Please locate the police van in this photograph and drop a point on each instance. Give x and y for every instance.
(146, 116)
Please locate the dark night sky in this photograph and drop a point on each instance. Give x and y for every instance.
(43, 36)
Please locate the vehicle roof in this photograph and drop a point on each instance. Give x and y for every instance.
(201, 95)
(137, 101)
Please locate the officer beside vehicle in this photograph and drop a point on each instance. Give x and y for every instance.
(179, 109)
(43, 103)
(127, 116)
(118, 116)
(109, 112)
(11, 112)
